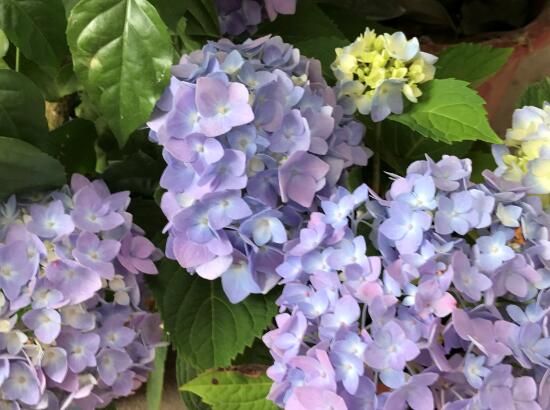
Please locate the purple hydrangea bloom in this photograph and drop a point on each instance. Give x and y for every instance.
(253, 140)
(241, 16)
(452, 315)
(73, 332)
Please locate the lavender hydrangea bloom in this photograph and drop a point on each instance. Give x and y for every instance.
(453, 315)
(240, 16)
(72, 331)
(253, 140)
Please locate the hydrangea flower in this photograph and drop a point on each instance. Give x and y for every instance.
(252, 137)
(73, 333)
(524, 157)
(243, 16)
(452, 315)
(375, 71)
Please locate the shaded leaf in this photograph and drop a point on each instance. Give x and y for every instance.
(24, 168)
(474, 63)
(37, 28)
(22, 110)
(536, 94)
(138, 173)
(241, 388)
(122, 54)
(74, 143)
(309, 22)
(449, 111)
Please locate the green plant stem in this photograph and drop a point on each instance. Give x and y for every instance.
(101, 162)
(17, 58)
(377, 157)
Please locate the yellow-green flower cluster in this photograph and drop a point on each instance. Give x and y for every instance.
(375, 71)
(525, 155)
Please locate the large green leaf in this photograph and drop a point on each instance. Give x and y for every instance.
(471, 62)
(122, 54)
(37, 28)
(536, 94)
(155, 383)
(206, 328)
(449, 111)
(22, 110)
(241, 388)
(24, 168)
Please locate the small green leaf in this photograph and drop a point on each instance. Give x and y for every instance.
(24, 168)
(207, 330)
(122, 54)
(170, 11)
(75, 141)
(22, 110)
(536, 94)
(449, 111)
(37, 28)
(474, 63)
(155, 383)
(241, 388)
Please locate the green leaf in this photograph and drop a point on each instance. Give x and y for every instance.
(208, 330)
(309, 22)
(449, 111)
(184, 373)
(24, 167)
(155, 383)
(75, 142)
(37, 28)
(170, 11)
(122, 55)
(241, 388)
(322, 48)
(474, 63)
(22, 110)
(536, 94)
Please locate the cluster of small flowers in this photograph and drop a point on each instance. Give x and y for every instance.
(72, 334)
(375, 71)
(525, 155)
(453, 315)
(243, 16)
(251, 134)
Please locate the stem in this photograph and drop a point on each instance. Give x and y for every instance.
(376, 157)
(17, 58)
(101, 162)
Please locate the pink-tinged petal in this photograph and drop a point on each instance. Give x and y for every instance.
(189, 254)
(301, 189)
(214, 268)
